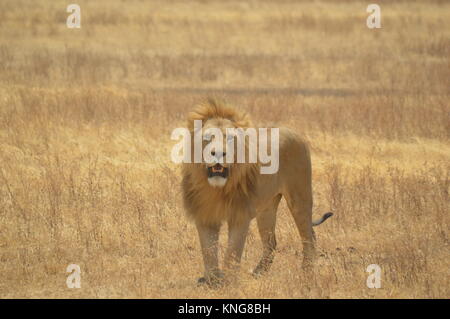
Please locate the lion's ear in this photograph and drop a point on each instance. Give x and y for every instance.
(244, 121)
(194, 116)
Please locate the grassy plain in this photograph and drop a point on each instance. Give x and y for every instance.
(85, 122)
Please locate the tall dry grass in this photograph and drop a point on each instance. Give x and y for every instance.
(86, 117)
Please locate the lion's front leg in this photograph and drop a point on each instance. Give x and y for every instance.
(237, 233)
(209, 241)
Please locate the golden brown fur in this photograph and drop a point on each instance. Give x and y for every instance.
(247, 194)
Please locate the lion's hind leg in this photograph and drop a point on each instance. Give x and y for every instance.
(266, 221)
(301, 209)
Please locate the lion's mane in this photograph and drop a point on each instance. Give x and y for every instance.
(212, 205)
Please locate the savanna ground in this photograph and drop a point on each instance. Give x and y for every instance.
(85, 122)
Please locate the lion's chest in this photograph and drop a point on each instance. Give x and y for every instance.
(218, 208)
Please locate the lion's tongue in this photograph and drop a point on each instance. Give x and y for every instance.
(217, 168)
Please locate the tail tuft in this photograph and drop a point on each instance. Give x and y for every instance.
(322, 219)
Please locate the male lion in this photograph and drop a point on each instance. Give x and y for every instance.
(235, 193)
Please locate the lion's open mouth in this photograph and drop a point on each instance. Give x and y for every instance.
(217, 170)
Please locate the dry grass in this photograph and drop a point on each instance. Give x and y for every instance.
(85, 122)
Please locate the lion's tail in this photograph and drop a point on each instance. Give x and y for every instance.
(322, 219)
